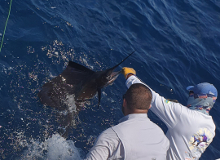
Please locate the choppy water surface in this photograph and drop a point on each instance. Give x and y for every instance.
(176, 44)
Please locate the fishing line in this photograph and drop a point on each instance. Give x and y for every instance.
(6, 25)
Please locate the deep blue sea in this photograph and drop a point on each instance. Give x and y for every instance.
(177, 44)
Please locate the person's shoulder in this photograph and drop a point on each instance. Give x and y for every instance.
(108, 138)
(194, 113)
(108, 133)
(197, 116)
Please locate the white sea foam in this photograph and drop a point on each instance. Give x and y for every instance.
(70, 102)
(59, 148)
(53, 148)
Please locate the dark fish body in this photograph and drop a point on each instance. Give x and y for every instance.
(79, 81)
(76, 84)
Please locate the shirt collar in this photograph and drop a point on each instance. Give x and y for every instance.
(132, 116)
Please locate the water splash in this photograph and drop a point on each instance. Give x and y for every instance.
(54, 148)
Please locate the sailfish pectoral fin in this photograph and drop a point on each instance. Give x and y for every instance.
(99, 96)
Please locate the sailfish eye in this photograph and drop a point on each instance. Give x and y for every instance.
(109, 77)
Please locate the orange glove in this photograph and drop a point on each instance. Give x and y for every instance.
(126, 71)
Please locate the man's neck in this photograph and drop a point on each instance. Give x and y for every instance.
(137, 111)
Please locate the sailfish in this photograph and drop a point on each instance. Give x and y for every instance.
(76, 84)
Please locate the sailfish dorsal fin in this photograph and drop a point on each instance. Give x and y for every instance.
(79, 66)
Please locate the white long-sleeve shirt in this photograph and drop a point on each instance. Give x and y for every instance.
(134, 138)
(190, 132)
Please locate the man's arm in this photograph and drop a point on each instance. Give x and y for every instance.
(167, 111)
(98, 152)
(105, 146)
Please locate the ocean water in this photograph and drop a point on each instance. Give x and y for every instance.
(177, 44)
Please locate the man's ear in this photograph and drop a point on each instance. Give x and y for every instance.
(124, 103)
(150, 106)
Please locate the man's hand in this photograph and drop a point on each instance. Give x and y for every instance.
(127, 72)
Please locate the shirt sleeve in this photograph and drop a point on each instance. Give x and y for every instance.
(167, 111)
(104, 147)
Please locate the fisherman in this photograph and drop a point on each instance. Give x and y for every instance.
(135, 137)
(190, 128)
